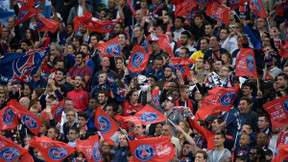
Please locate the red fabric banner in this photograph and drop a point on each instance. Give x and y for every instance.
(155, 149)
(82, 20)
(220, 98)
(284, 50)
(138, 60)
(218, 12)
(164, 44)
(57, 111)
(9, 119)
(282, 153)
(90, 148)
(26, 13)
(245, 63)
(102, 26)
(52, 151)
(110, 48)
(45, 24)
(257, 7)
(233, 4)
(27, 157)
(10, 151)
(278, 111)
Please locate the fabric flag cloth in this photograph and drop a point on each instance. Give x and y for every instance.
(45, 24)
(156, 96)
(21, 66)
(32, 122)
(206, 3)
(148, 115)
(90, 148)
(138, 60)
(110, 48)
(164, 44)
(190, 16)
(9, 119)
(9, 151)
(52, 151)
(218, 12)
(146, 46)
(113, 86)
(6, 11)
(278, 111)
(106, 125)
(154, 149)
(257, 7)
(82, 20)
(184, 8)
(220, 99)
(132, 7)
(57, 111)
(102, 26)
(233, 4)
(25, 13)
(204, 113)
(28, 2)
(182, 65)
(282, 153)
(26, 157)
(245, 63)
(284, 50)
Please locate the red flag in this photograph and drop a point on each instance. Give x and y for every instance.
(258, 8)
(204, 113)
(102, 26)
(164, 44)
(110, 48)
(27, 2)
(182, 65)
(9, 151)
(52, 151)
(156, 96)
(148, 115)
(106, 125)
(132, 7)
(281, 153)
(32, 122)
(245, 63)
(278, 110)
(27, 157)
(25, 13)
(138, 60)
(206, 3)
(220, 98)
(82, 20)
(179, 43)
(152, 149)
(90, 148)
(284, 50)
(9, 119)
(57, 111)
(45, 24)
(233, 4)
(218, 12)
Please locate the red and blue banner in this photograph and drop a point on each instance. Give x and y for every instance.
(281, 153)
(57, 111)
(113, 86)
(110, 48)
(82, 20)
(52, 151)
(138, 60)
(26, 13)
(219, 13)
(102, 26)
(90, 148)
(257, 7)
(132, 7)
(152, 149)
(33, 3)
(284, 50)
(246, 63)
(45, 24)
(182, 65)
(164, 44)
(206, 3)
(9, 119)
(233, 4)
(10, 151)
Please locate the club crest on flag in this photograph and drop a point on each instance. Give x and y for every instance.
(250, 63)
(30, 122)
(57, 153)
(137, 59)
(97, 151)
(104, 124)
(22, 14)
(144, 152)
(227, 98)
(113, 49)
(9, 153)
(285, 105)
(232, 2)
(256, 5)
(8, 116)
(109, 26)
(59, 111)
(149, 117)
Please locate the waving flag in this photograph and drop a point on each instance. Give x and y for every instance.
(132, 7)
(184, 8)
(190, 16)
(218, 12)
(148, 115)
(220, 98)
(82, 20)
(156, 96)
(182, 65)
(25, 13)
(110, 48)
(233, 4)
(281, 153)
(152, 149)
(9, 151)
(146, 46)
(9, 119)
(29, 2)
(206, 3)
(113, 86)
(278, 111)
(32, 122)
(57, 111)
(102, 26)
(258, 8)
(106, 125)
(138, 60)
(284, 50)
(245, 63)
(26, 157)
(52, 151)
(90, 148)
(21, 66)
(204, 113)
(45, 24)
(164, 44)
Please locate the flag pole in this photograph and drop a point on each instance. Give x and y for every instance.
(125, 134)
(172, 122)
(258, 86)
(27, 136)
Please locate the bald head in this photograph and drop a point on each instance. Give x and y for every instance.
(139, 15)
(25, 101)
(167, 130)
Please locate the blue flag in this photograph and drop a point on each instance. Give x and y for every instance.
(21, 66)
(113, 86)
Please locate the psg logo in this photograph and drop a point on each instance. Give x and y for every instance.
(96, 152)
(22, 14)
(256, 5)
(8, 116)
(137, 59)
(109, 26)
(57, 153)
(9, 153)
(149, 117)
(58, 111)
(113, 49)
(30, 122)
(250, 63)
(232, 2)
(285, 105)
(144, 152)
(104, 124)
(227, 98)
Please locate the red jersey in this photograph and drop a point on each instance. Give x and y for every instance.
(129, 108)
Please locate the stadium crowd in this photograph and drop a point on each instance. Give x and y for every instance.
(76, 71)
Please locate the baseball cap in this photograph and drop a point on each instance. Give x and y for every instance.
(242, 156)
(170, 66)
(170, 98)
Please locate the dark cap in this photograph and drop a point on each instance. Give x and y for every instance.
(242, 156)
(170, 66)
(268, 152)
(211, 118)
